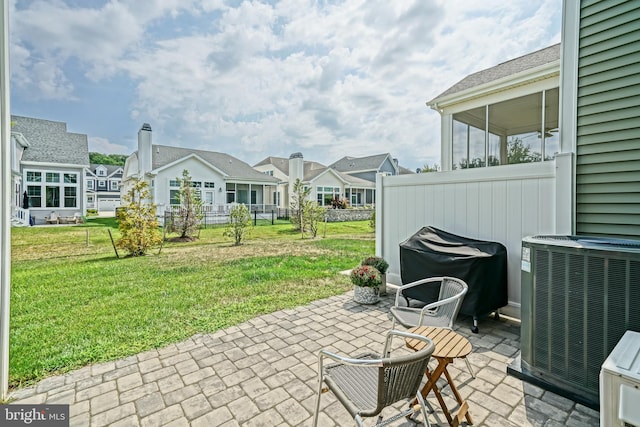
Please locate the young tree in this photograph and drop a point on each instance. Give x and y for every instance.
(137, 221)
(239, 225)
(313, 216)
(187, 216)
(299, 196)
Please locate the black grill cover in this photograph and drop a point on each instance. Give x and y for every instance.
(482, 265)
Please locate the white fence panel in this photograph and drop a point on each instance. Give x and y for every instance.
(501, 204)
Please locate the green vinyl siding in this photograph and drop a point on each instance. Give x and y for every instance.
(608, 122)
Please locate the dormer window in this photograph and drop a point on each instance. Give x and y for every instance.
(101, 172)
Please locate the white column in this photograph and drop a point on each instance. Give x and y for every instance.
(5, 200)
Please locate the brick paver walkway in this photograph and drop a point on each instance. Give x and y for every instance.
(263, 373)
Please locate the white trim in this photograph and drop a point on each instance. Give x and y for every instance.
(45, 165)
(185, 158)
(568, 114)
(5, 200)
(493, 173)
(333, 172)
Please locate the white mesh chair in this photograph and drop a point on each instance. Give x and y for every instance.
(441, 313)
(368, 383)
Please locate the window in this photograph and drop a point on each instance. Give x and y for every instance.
(70, 197)
(174, 183)
(270, 173)
(90, 184)
(325, 195)
(114, 185)
(196, 184)
(519, 130)
(35, 196)
(209, 185)
(102, 183)
(53, 197)
(102, 172)
(34, 177)
(174, 197)
(59, 189)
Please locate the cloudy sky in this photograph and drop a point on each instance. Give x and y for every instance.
(327, 78)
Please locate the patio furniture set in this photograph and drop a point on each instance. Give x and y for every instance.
(368, 383)
(55, 218)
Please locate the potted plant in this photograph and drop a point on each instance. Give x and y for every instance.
(382, 266)
(366, 281)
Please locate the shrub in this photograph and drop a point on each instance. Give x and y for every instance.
(372, 220)
(378, 262)
(313, 216)
(137, 221)
(239, 225)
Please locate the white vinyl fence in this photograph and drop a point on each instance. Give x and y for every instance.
(500, 204)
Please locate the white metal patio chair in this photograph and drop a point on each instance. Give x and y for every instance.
(441, 313)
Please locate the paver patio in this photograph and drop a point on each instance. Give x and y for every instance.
(263, 373)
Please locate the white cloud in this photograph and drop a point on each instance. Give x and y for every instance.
(102, 145)
(256, 79)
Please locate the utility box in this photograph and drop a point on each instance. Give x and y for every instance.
(620, 383)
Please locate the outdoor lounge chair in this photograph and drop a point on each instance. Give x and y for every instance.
(368, 383)
(441, 313)
(53, 218)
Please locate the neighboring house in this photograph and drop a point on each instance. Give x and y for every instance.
(543, 144)
(367, 167)
(326, 183)
(103, 187)
(222, 179)
(48, 164)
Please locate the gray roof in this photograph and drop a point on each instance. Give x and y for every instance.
(110, 168)
(233, 167)
(311, 169)
(352, 164)
(508, 68)
(49, 142)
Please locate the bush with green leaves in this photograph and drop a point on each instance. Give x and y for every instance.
(187, 216)
(239, 225)
(137, 221)
(378, 262)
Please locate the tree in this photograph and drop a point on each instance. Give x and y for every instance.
(107, 159)
(313, 215)
(187, 217)
(518, 152)
(428, 168)
(299, 195)
(239, 225)
(137, 221)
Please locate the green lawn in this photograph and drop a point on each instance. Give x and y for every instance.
(74, 303)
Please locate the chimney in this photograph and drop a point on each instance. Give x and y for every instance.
(296, 170)
(144, 150)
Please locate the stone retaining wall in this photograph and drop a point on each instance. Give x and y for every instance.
(341, 215)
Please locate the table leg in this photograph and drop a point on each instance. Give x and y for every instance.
(463, 410)
(432, 380)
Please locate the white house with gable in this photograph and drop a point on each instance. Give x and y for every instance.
(222, 179)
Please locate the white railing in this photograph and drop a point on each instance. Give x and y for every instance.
(21, 215)
(501, 204)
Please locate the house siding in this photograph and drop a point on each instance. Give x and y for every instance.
(608, 120)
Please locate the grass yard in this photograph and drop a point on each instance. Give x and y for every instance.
(73, 303)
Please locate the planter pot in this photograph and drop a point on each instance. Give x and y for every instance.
(365, 295)
(383, 285)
